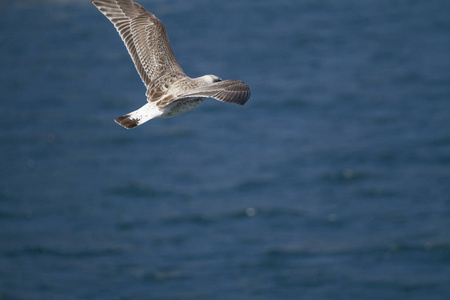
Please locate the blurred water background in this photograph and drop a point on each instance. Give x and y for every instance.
(333, 182)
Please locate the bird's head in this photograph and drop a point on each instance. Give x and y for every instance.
(208, 79)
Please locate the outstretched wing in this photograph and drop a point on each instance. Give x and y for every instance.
(144, 36)
(230, 91)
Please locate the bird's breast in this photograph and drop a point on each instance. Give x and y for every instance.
(182, 106)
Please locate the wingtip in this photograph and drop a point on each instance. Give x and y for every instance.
(244, 97)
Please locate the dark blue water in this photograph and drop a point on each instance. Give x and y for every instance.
(333, 182)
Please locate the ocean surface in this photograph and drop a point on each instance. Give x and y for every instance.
(332, 182)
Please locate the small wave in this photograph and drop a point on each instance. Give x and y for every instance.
(376, 193)
(241, 214)
(39, 250)
(164, 274)
(382, 251)
(344, 176)
(195, 219)
(136, 190)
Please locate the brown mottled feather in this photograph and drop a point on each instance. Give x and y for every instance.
(144, 36)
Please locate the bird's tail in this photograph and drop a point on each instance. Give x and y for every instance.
(138, 117)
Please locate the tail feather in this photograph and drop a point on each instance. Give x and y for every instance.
(127, 121)
(138, 117)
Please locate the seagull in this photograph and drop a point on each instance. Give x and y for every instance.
(170, 92)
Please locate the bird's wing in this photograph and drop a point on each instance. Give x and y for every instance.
(144, 36)
(230, 91)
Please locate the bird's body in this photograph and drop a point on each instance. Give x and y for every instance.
(169, 91)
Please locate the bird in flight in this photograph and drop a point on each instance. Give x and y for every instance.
(169, 91)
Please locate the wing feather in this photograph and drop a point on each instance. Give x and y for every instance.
(230, 91)
(144, 36)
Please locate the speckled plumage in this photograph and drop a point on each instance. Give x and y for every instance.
(169, 91)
